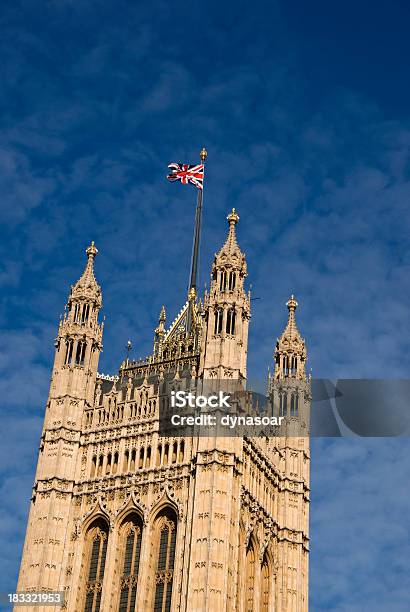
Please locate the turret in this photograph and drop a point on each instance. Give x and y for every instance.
(289, 387)
(290, 353)
(78, 347)
(226, 312)
(79, 341)
(160, 333)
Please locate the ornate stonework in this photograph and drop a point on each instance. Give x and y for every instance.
(122, 519)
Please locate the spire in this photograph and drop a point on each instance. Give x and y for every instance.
(290, 352)
(87, 286)
(230, 254)
(162, 315)
(161, 322)
(291, 330)
(160, 331)
(226, 312)
(231, 243)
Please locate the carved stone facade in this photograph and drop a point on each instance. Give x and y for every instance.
(123, 519)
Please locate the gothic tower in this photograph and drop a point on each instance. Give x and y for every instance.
(126, 517)
(77, 351)
(227, 313)
(290, 396)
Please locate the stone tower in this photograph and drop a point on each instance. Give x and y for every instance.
(60, 461)
(124, 518)
(290, 396)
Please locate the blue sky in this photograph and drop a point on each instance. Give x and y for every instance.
(303, 108)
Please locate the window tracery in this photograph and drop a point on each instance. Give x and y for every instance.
(132, 538)
(96, 551)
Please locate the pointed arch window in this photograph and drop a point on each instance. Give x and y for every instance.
(230, 321)
(93, 466)
(294, 365)
(232, 281)
(283, 403)
(294, 404)
(133, 457)
(80, 353)
(69, 351)
(108, 465)
(96, 553)
(100, 465)
(265, 586)
(219, 313)
(85, 313)
(250, 579)
(174, 457)
(181, 451)
(126, 461)
(141, 460)
(164, 574)
(222, 280)
(115, 464)
(131, 537)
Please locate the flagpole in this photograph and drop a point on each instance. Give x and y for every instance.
(195, 252)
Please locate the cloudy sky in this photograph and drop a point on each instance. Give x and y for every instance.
(303, 107)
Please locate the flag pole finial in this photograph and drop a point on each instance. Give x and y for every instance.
(203, 154)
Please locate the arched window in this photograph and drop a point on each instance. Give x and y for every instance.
(159, 453)
(174, 452)
(250, 579)
(80, 353)
(294, 404)
(96, 553)
(166, 527)
(222, 282)
(141, 461)
(294, 365)
(69, 351)
(230, 321)
(133, 456)
(232, 280)
(126, 460)
(115, 464)
(181, 451)
(265, 580)
(219, 313)
(85, 313)
(108, 466)
(100, 465)
(148, 458)
(131, 537)
(93, 466)
(283, 401)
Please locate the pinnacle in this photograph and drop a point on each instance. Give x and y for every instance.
(231, 243)
(162, 315)
(87, 285)
(291, 330)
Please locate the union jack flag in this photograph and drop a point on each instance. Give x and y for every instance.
(187, 173)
